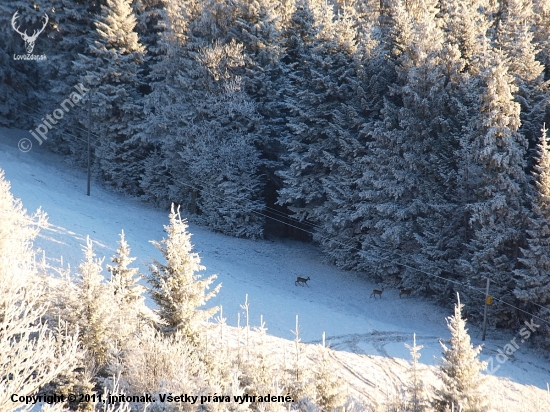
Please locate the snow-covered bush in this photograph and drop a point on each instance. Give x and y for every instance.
(31, 353)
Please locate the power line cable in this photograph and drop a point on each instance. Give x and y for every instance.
(65, 132)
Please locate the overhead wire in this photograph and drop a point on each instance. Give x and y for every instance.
(65, 132)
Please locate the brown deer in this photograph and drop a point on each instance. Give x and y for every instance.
(301, 281)
(376, 292)
(406, 292)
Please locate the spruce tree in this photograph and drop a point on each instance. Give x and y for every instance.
(258, 27)
(176, 287)
(148, 16)
(325, 117)
(460, 370)
(206, 121)
(406, 187)
(515, 38)
(124, 279)
(497, 215)
(164, 105)
(111, 70)
(218, 148)
(128, 293)
(533, 279)
(465, 24)
(92, 308)
(416, 389)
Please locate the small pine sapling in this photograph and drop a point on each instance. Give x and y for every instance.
(460, 369)
(176, 287)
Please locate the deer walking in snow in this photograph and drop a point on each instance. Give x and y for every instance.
(406, 292)
(301, 281)
(376, 292)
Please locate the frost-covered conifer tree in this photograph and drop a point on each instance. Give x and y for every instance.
(330, 390)
(177, 288)
(124, 279)
(396, 31)
(92, 309)
(465, 24)
(533, 284)
(416, 388)
(515, 38)
(164, 105)
(220, 152)
(297, 40)
(128, 293)
(111, 70)
(497, 214)
(148, 16)
(303, 187)
(21, 80)
(409, 173)
(325, 117)
(460, 370)
(208, 121)
(258, 28)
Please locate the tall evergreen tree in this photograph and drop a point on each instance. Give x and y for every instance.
(164, 105)
(207, 126)
(515, 38)
(176, 287)
(406, 197)
(465, 24)
(533, 284)
(22, 80)
(498, 214)
(258, 27)
(148, 16)
(111, 70)
(325, 118)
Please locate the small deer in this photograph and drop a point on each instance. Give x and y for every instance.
(301, 281)
(376, 292)
(406, 292)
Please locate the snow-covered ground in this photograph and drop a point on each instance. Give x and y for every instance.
(336, 302)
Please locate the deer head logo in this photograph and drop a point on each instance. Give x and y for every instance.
(29, 40)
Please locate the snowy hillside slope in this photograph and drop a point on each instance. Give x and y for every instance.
(368, 334)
